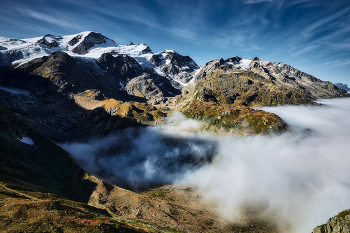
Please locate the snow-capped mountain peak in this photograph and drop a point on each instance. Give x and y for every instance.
(22, 50)
(113, 65)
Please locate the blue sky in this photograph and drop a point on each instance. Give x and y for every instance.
(310, 35)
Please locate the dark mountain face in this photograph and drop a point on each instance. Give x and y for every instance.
(342, 86)
(234, 60)
(156, 59)
(177, 62)
(88, 42)
(55, 73)
(181, 68)
(120, 67)
(49, 44)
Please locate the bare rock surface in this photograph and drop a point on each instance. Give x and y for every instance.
(337, 224)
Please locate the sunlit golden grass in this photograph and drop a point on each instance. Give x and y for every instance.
(228, 117)
(28, 211)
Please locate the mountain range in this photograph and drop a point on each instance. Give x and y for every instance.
(57, 89)
(342, 86)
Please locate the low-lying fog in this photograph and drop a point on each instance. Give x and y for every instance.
(298, 179)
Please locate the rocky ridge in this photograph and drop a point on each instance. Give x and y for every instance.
(224, 91)
(342, 86)
(337, 224)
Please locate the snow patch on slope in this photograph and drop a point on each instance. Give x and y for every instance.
(15, 91)
(244, 64)
(27, 140)
(15, 51)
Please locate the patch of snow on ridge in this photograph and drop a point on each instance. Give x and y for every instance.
(99, 49)
(95, 52)
(244, 63)
(27, 140)
(9, 43)
(15, 91)
(132, 50)
(50, 39)
(144, 61)
(83, 35)
(195, 72)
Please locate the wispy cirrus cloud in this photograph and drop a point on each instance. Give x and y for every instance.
(184, 33)
(49, 19)
(322, 23)
(132, 10)
(255, 1)
(337, 63)
(305, 50)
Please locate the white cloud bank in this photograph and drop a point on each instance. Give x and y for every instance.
(298, 179)
(142, 158)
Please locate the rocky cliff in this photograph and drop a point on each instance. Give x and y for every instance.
(337, 224)
(342, 86)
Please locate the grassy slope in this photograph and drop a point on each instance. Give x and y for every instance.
(169, 209)
(41, 187)
(224, 98)
(27, 210)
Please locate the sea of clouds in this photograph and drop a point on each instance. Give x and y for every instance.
(297, 179)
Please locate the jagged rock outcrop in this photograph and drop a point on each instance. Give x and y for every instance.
(180, 67)
(285, 75)
(45, 42)
(234, 60)
(227, 85)
(144, 86)
(338, 224)
(121, 67)
(278, 75)
(156, 59)
(49, 40)
(342, 86)
(146, 50)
